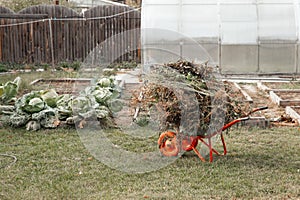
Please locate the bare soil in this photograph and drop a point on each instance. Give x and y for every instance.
(295, 96)
(261, 98)
(297, 109)
(62, 86)
(124, 118)
(235, 93)
(283, 85)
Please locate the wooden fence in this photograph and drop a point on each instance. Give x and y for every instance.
(53, 34)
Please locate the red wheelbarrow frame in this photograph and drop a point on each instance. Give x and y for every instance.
(168, 142)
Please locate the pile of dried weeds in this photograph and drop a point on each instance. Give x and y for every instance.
(188, 97)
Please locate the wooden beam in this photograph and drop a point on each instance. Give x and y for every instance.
(263, 87)
(285, 103)
(275, 98)
(244, 93)
(281, 102)
(23, 16)
(289, 110)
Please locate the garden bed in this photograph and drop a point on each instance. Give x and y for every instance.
(238, 93)
(286, 97)
(279, 86)
(61, 85)
(125, 117)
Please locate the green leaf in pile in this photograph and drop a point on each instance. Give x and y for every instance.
(10, 90)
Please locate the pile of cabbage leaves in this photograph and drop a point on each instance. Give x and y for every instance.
(48, 109)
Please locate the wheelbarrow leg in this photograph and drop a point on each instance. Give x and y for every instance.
(211, 149)
(211, 158)
(198, 154)
(224, 144)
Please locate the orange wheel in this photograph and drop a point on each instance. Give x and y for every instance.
(168, 144)
(188, 143)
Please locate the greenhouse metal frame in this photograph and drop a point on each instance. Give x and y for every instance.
(240, 36)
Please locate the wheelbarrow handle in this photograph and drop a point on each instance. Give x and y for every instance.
(226, 126)
(257, 109)
(262, 108)
(244, 119)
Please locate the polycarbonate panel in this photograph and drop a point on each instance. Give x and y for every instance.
(298, 60)
(161, 17)
(241, 13)
(160, 53)
(194, 2)
(237, 1)
(275, 1)
(297, 17)
(200, 21)
(239, 33)
(198, 53)
(159, 2)
(277, 58)
(160, 36)
(240, 26)
(212, 49)
(237, 59)
(277, 22)
(203, 30)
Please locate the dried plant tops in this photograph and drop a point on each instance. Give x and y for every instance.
(188, 97)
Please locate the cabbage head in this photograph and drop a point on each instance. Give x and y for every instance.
(101, 95)
(63, 106)
(63, 100)
(31, 103)
(106, 82)
(102, 112)
(50, 97)
(80, 104)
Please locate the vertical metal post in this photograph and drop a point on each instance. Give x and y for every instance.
(51, 43)
(219, 37)
(181, 50)
(297, 9)
(258, 38)
(180, 7)
(296, 58)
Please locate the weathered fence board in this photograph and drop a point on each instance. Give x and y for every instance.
(68, 34)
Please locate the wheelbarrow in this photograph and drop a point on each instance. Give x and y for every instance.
(170, 145)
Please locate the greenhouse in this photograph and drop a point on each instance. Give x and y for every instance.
(240, 36)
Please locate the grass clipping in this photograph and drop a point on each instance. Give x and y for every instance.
(187, 97)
